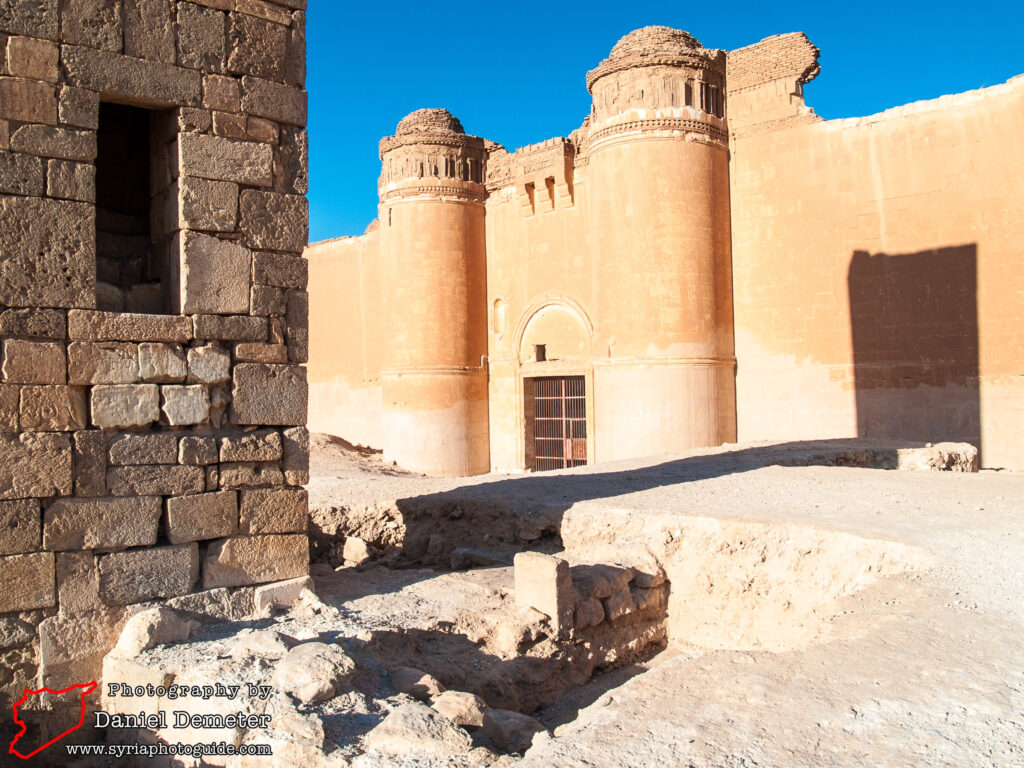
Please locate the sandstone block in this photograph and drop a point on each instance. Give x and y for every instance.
(261, 445)
(209, 364)
(201, 38)
(269, 394)
(15, 633)
(356, 551)
(105, 362)
(122, 406)
(197, 451)
(417, 730)
(147, 574)
(208, 205)
(102, 523)
(257, 47)
(27, 100)
(78, 583)
(281, 103)
(265, 131)
(261, 353)
(34, 323)
(463, 709)
(27, 582)
(219, 159)
(146, 82)
(194, 120)
(86, 325)
(297, 319)
(90, 461)
(215, 605)
(543, 583)
(230, 126)
(313, 672)
(71, 648)
(34, 362)
(600, 580)
(511, 731)
(281, 595)
(20, 174)
(53, 409)
(148, 31)
(156, 448)
(161, 480)
(202, 516)
(255, 560)
(34, 465)
(10, 401)
(186, 404)
(78, 107)
(71, 181)
(218, 328)
(215, 275)
(280, 270)
(265, 10)
(223, 93)
(295, 66)
(32, 58)
(267, 301)
(250, 475)
(416, 683)
(291, 162)
(20, 526)
(296, 456)
(38, 18)
(94, 23)
(274, 510)
(50, 141)
(274, 222)
(161, 363)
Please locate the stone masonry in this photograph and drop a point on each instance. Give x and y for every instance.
(152, 338)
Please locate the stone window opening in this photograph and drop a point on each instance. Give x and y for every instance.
(531, 194)
(133, 179)
(540, 353)
(549, 182)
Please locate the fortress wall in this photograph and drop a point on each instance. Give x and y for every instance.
(345, 339)
(876, 261)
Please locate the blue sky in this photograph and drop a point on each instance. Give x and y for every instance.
(515, 72)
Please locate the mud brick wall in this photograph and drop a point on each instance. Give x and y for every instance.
(160, 452)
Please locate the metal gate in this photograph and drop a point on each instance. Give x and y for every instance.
(560, 422)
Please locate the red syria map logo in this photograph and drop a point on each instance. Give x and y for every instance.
(85, 689)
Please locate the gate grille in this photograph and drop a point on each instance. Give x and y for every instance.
(560, 422)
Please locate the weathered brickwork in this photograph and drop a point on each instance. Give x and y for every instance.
(152, 387)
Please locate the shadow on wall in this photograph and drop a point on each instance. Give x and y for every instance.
(914, 320)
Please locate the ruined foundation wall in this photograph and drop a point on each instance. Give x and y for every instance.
(344, 365)
(876, 262)
(147, 456)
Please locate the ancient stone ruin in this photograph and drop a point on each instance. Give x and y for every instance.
(153, 318)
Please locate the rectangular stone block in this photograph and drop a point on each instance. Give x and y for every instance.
(38, 18)
(88, 325)
(20, 174)
(148, 574)
(143, 82)
(291, 162)
(261, 353)
(103, 362)
(297, 320)
(250, 475)
(122, 406)
(265, 131)
(32, 58)
(230, 126)
(49, 253)
(223, 93)
(202, 37)
(261, 445)
(103, 523)
(257, 46)
(271, 11)
(209, 364)
(281, 595)
(274, 510)
(71, 181)
(90, 460)
(197, 451)
(163, 480)
(33, 323)
(94, 23)
(296, 456)
(267, 301)
(27, 582)
(162, 363)
(78, 107)
(78, 583)
(219, 159)
(28, 101)
(185, 405)
(71, 648)
(544, 583)
(202, 516)
(20, 526)
(148, 31)
(248, 560)
(53, 409)
(295, 69)
(274, 222)
(34, 362)
(217, 328)
(34, 465)
(269, 394)
(281, 103)
(50, 141)
(280, 270)
(207, 205)
(157, 448)
(214, 275)
(10, 401)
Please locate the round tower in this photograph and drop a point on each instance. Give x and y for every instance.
(434, 375)
(659, 225)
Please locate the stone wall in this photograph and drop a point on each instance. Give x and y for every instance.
(148, 456)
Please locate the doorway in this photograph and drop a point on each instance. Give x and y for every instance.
(556, 422)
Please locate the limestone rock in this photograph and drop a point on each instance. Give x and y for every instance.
(511, 731)
(207, 205)
(261, 445)
(34, 362)
(202, 516)
(197, 451)
(125, 406)
(543, 583)
(282, 594)
(416, 729)
(214, 275)
(27, 582)
(416, 683)
(52, 409)
(296, 456)
(356, 551)
(15, 633)
(465, 709)
(161, 363)
(600, 580)
(152, 627)
(219, 159)
(20, 528)
(101, 523)
(264, 643)
(274, 510)
(186, 404)
(209, 364)
(313, 672)
(943, 457)
(145, 574)
(159, 448)
(255, 559)
(35, 465)
(269, 394)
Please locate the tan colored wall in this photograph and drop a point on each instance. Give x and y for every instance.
(345, 339)
(878, 289)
